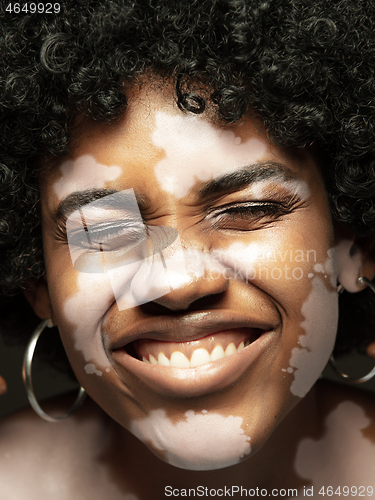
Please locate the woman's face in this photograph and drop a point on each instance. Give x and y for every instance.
(173, 241)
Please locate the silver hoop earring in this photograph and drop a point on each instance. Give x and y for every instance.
(27, 380)
(361, 281)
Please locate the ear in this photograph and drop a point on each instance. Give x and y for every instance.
(355, 257)
(370, 351)
(37, 294)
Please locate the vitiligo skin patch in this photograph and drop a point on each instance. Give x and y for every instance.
(172, 173)
(310, 357)
(94, 294)
(201, 441)
(326, 462)
(84, 173)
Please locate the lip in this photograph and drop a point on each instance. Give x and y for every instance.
(204, 379)
(188, 327)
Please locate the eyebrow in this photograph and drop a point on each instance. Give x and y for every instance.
(79, 199)
(243, 178)
(219, 186)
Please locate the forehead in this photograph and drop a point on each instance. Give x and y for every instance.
(159, 150)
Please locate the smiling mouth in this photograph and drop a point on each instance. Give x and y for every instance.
(191, 354)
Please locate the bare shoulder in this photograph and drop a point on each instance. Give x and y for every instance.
(335, 395)
(24, 428)
(343, 452)
(47, 454)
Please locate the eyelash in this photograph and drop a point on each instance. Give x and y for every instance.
(250, 212)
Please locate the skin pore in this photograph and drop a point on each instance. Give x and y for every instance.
(251, 257)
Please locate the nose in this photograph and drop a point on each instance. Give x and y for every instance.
(212, 281)
(178, 277)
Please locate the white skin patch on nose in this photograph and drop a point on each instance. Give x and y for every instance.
(317, 460)
(197, 150)
(320, 311)
(203, 441)
(82, 174)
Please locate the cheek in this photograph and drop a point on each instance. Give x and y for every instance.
(309, 357)
(201, 441)
(279, 263)
(301, 280)
(79, 317)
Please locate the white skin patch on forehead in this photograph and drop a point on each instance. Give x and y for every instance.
(203, 441)
(343, 432)
(197, 150)
(82, 174)
(321, 315)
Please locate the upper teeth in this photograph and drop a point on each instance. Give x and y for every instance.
(199, 357)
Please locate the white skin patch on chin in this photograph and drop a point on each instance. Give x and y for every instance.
(203, 441)
(197, 150)
(342, 453)
(82, 174)
(321, 315)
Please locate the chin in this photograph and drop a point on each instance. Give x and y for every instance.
(201, 440)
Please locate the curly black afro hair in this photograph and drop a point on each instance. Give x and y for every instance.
(306, 68)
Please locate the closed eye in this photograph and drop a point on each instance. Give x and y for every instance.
(248, 215)
(107, 237)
